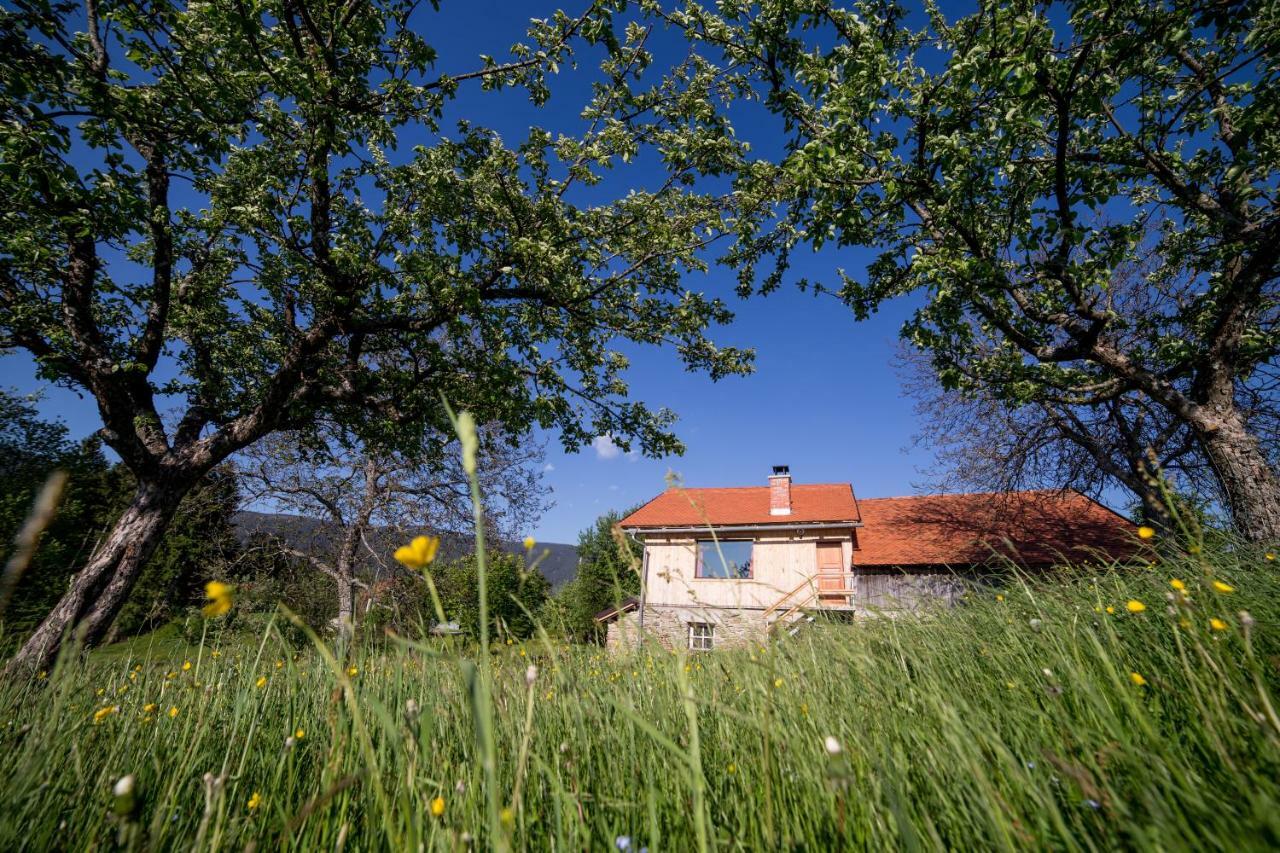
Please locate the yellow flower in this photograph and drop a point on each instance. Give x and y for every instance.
(186, 666)
(215, 654)
(1135, 606)
(299, 734)
(507, 816)
(1177, 584)
(1270, 556)
(1110, 609)
(44, 673)
(529, 542)
(173, 712)
(219, 595)
(262, 681)
(1137, 679)
(777, 683)
(150, 708)
(353, 671)
(1145, 532)
(1222, 587)
(419, 553)
(255, 801)
(437, 806)
(732, 768)
(279, 664)
(218, 589)
(102, 713)
(999, 597)
(1217, 624)
(1193, 549)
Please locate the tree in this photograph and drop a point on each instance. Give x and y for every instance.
(198, 546)
(1129, 441)
(986, 158)
(606, 575)
(206, 210)
(354, 491)
(515, 593)
(983, 443)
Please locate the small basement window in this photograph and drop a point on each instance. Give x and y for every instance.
(724, 558)
(702, 636)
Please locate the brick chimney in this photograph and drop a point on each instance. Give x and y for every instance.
(780, 490)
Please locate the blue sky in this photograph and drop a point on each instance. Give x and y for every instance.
(824, 399)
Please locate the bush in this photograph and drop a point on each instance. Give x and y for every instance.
(515, 594)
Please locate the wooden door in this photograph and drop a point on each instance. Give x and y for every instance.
(831, 573)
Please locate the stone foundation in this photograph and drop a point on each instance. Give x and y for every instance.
(668, 625)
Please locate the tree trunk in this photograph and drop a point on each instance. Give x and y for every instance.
(345, 622)
(1252, 487)
(96, 592)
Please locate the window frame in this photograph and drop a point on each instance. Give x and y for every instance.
(699, 562)
(702, 636)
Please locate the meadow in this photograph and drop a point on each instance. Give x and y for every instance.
(1107, 709)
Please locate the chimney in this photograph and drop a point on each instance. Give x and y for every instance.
(780, 490)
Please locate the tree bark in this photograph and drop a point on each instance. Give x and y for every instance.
(345, 622)
(96, 592)
(1251, 485)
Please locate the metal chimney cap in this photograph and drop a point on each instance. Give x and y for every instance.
(781, 470)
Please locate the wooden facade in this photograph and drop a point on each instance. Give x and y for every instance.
(781, 561)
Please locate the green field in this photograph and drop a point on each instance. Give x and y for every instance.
(1036, 719)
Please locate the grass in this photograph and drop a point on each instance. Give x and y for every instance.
(1009, 724)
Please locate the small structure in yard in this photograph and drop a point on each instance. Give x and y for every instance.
(727, 567)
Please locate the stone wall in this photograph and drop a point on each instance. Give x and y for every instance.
(879, 593)
(669, 627)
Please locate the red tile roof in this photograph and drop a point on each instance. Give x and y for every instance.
(1036, 528)
(810, 503)
(1033, 528)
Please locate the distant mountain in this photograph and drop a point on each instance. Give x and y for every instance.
(559, 565)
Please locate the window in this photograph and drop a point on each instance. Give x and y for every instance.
(724, 558)
(701, 636)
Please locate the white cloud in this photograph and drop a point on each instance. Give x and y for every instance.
(613, 488)
(548, 468)
(605, 448)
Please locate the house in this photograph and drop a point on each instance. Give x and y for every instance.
(727, 566)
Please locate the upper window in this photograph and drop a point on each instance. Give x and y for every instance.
(724, 558)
